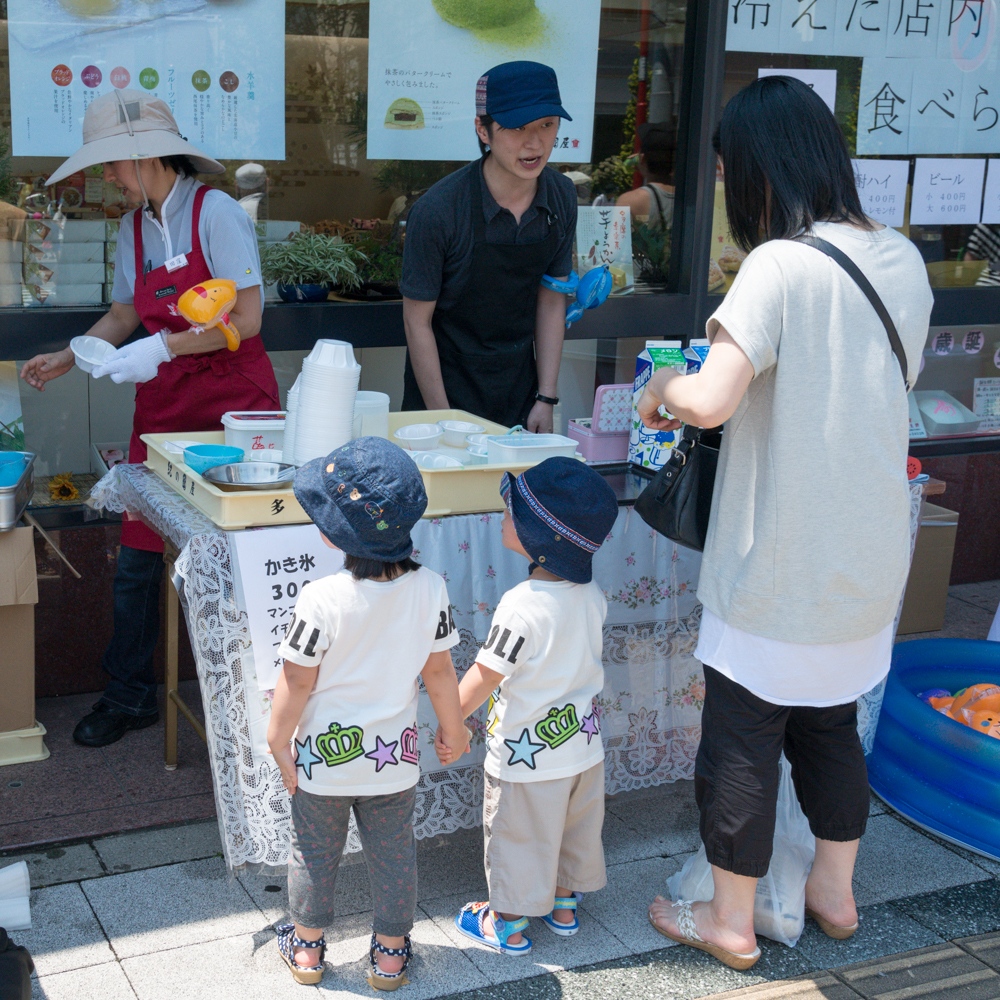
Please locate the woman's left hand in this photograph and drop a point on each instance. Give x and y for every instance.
(651, 400)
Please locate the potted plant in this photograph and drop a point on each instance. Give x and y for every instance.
(308, 265)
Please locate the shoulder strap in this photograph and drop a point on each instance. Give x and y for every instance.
(865, 285)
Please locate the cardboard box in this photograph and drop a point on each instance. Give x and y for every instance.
(70, 231)
(53, 254)
(647, 448)
(54, 295)
(18, 596)
(930, 571)
(54, 274)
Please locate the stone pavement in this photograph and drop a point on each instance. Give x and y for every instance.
(155, 914)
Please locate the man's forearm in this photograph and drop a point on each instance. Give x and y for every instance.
(426, 365)
(550, 330)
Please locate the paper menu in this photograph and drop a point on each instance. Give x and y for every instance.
(947, 191)
(986, 402)
(604, 237)
(991, 200)
(882, 188)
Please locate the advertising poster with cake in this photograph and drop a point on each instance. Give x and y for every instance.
(218, 64)
(424, 60)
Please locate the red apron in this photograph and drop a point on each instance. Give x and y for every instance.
(191, 392)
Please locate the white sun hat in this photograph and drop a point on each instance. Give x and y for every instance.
(129, 125)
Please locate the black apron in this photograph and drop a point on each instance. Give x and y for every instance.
(486, 340)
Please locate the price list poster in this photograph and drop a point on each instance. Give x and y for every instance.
(425, 57)
(218, 64)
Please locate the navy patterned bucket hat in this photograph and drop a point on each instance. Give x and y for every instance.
(365, 497)
(562, 512)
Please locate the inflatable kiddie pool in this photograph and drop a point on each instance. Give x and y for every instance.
(938, 773)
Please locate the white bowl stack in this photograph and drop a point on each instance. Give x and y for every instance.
(328, 385)
(291, 418)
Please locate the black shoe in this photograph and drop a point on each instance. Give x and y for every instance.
(107, 725)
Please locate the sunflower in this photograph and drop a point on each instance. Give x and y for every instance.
(61, 487)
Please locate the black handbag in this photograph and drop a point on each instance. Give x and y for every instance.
(678, 500)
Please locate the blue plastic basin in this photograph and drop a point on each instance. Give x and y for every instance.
(938, 773)
(200, 457)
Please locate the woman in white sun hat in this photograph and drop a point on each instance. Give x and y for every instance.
(184, 233)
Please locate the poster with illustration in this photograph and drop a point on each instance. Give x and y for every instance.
(604, 239)
(218, 64)
(424, 59)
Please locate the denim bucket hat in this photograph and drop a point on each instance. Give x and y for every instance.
(365, 497)
(562, 512)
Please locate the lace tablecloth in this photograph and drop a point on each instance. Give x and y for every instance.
(652, 699)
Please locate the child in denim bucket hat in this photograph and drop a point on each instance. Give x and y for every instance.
(541, 668)
(348, 697)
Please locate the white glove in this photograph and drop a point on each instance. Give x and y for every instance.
(136, 362)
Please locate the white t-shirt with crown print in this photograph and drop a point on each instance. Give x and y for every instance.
(370, 639)
(546, 639)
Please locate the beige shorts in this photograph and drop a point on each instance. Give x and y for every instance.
(540, 834)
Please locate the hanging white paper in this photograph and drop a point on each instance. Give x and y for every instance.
(947, 192)
(936, 104)
(967, 31)
(884, 106)
(823, 81)
(986, 402)
(991, 201)
(604, 237)
(754, 26)
(272, 567)
(882, 189)
(862, 27)
(979, 118)
(809, 26)
(423, 68)
(913, 28)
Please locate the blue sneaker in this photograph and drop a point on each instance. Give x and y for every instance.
(471, 921)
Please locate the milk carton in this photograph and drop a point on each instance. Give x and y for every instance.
(646, 447)
(696, 352)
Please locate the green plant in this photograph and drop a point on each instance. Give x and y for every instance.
(312, 259)
(651, 252)
(383, 265)
(611, 177)
(7, 183)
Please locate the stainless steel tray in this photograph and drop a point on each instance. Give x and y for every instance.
(14, 499)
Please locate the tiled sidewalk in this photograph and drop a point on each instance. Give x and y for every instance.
(156, 915)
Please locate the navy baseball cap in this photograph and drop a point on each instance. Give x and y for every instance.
(515, 93)
(562, 511)
(365, 497)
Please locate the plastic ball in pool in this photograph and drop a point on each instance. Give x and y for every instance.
(929, 695)
(940, 775)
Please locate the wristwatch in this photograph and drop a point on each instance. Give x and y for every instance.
(551, 400)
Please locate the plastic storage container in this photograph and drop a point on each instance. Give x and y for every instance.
(604, 437)
(19, 484)
(528, 449)
(254, 430)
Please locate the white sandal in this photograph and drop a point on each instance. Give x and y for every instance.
(689, 935)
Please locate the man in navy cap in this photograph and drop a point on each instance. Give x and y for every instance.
(482, 333)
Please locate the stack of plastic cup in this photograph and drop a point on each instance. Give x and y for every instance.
(291, 418)
(371, 414)
(324, 417)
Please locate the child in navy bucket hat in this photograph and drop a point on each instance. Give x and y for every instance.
(347, 697)
(541, 669)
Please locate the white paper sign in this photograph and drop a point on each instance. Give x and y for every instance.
(913, 28)
(272, 567)
(809, 26)
(863, 26)
(882, 189)
(979, 118)
(423, 66)
(986, 402)
(604, 237)
(754, 26)
(823, 81)
(220, 67)
(967, 33)
(947, 192)
(991, 202)
(935, 114)
(884, 106)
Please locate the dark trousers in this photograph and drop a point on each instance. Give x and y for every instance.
(128, 659)
(736, 773)
(15, 970)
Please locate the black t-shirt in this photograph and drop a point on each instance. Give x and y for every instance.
(437, 254)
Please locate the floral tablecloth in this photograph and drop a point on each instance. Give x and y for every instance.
(652, 696)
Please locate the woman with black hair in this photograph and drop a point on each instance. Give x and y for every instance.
(799, 587)
(183, 233)
(653, 202)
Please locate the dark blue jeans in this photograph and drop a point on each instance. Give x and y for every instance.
(129, 656)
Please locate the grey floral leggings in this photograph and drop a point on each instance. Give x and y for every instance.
(319, 831)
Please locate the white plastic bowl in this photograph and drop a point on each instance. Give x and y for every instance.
(456, 431)
(478, 450)
(91, 352)
(418, 437)
(429, 460)
(477, 439)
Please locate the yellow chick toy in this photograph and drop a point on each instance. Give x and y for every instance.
(208, 304)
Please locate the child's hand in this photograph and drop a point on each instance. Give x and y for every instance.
(284, 757)
(446, 745)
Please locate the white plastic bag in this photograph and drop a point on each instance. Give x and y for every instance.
(779, 905)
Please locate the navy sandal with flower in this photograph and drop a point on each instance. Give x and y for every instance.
(288, 942)
(380, 980)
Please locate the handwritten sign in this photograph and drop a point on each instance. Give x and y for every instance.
(947, 191)
(882, 188)
(604, 237)
(963, 31)
(823, 81)
(991, 202)
(272, 567)
(986, 402)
